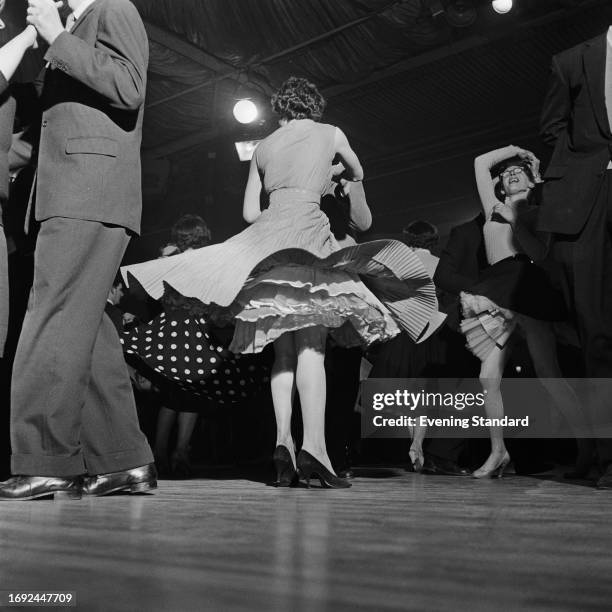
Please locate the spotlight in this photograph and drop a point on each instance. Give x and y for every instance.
(245, 111)
(502, 6)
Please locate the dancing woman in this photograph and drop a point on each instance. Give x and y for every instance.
(513, 292)
(285, 280)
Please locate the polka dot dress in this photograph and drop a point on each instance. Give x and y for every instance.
(181, 349)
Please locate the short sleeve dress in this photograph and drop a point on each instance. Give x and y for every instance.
(286, 272)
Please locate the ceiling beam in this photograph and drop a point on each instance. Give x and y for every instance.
(466, 44)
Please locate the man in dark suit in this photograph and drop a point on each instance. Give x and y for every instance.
(577, 205)
(73, 410)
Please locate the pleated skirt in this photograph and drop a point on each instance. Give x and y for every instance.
(286, 272)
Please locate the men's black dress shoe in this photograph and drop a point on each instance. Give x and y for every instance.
(21, 488)
(443, 467)
(136, 480)
(605, 482)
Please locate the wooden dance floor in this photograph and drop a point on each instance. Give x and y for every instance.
(395, 541)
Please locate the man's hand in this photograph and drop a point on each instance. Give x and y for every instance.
(504, 214)
(43, 15)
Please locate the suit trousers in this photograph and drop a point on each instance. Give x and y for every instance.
(4, 290)
(586, 260)
(72, 405)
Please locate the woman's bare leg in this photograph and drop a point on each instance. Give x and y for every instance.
(491, 372)
(283, 385)
(311, 385)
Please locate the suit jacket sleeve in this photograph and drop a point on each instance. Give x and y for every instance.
(557, 106)
(116, 66)
(448, 276)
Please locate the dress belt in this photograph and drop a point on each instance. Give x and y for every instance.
(287, 194)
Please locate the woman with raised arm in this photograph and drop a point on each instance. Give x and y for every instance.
(285, 280)
(513, 292)
(11, 55)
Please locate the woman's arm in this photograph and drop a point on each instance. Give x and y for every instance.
(484, 183)
(353, 170)
(12, 52)
(251, 208)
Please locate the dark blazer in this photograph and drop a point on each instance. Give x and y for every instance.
(575, 121)
(93, 97)
(461, 262)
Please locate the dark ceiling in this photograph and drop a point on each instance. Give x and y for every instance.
(396, 77)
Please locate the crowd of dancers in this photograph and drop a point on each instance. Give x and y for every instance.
(286, 281)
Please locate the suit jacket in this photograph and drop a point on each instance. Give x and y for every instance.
(461, 262)
(575, 121)
(93, 94)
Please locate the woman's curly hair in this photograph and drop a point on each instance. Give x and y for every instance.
(190, 232)
(298, 99)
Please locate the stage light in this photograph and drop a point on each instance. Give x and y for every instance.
(502, 6)
(245, 111)
(245, 149)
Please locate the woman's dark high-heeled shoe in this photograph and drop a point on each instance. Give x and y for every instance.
(309, 467)
(286, 475)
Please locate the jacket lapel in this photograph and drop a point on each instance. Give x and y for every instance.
(80, 20)
(594, 61)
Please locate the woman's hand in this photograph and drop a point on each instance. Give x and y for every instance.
(533, 161)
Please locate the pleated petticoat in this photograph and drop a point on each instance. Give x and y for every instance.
(285, 272)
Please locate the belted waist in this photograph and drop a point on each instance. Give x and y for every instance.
(290, 194)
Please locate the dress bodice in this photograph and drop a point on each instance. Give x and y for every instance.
(298, 155)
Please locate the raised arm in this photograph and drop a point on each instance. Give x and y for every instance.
(251, 208)
(116, 67)
(484, 183)
(353, 170)
(557, 106)
(12, 53)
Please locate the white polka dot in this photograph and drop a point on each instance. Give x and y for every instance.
(200, 371)
(160, 346)
(160, 335)
(186, 358)
(173, 370)
(187, 371)
(160, 368)
(213, 360)
(189, 380)
(173, 347)
(149, 331)
(187, 346)
(213, 371)
(198, 334)
(211, 347)
(186, 333)
(174, 323)
(216, 382)
(199, 360)
(243, 382)
(173, 358)
(173, 334)
(219, 349)
(198, 347)
(160, 358)
(187, 320)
